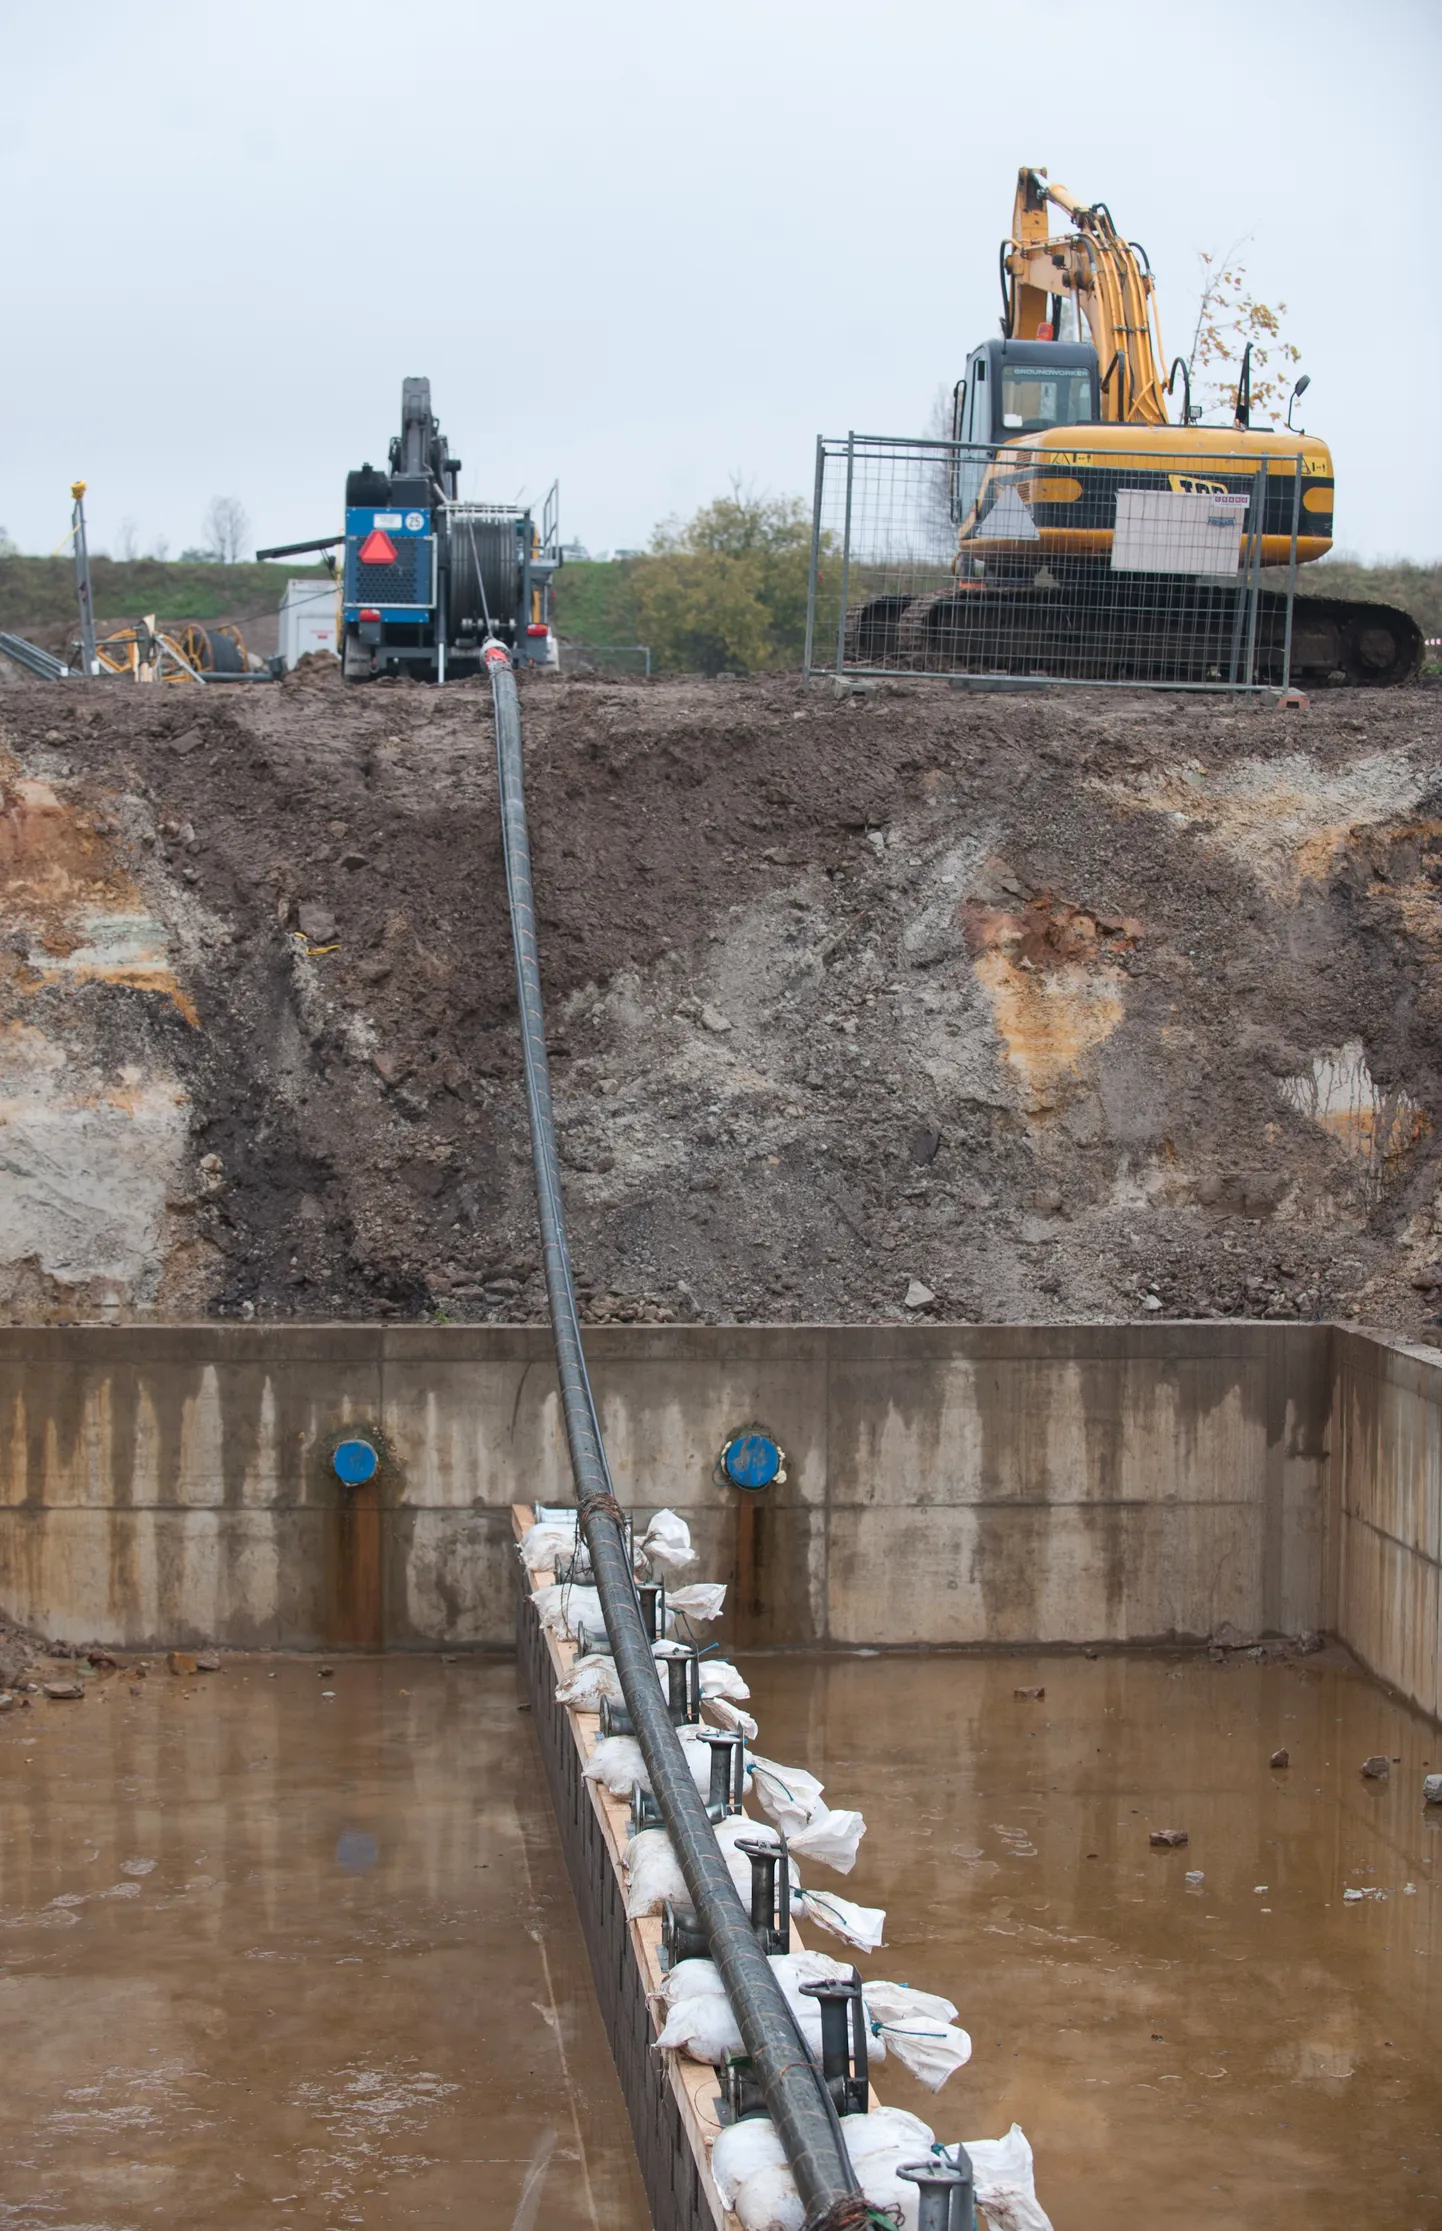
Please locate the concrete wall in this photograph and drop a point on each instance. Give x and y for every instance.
(1385, 1555)
(947, 1485)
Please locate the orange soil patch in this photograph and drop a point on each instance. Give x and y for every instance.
(1051, 972)
(84, 916)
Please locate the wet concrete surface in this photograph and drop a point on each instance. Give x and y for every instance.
(294, 1951)
(1251, 2050)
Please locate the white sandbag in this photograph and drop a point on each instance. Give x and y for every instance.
(653, 1874)
(741, 2150)
(546, 1599)
(701, 1600)
(667, 1543)
(901, 2002)
(882, 2188)
(888, 2130)
(1006, 2182)
(858, 1925)
(590, 1683)
(616, 1763)
(701, 2026)
(695, 2026)
(718, 1679)
(917, 2026)
(787, 1793)
(932, 2053)
(748, 2163)
(729, 1715)
(541, 1545)
(767, 2200)
(687, 1978)
(795, 1968)
(563, 1607)
(830, 1837)
(791, 1968)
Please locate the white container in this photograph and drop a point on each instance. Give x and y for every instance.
(307, 619)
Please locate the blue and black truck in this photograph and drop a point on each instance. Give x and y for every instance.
(426, 579)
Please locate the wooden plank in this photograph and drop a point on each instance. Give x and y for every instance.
(693, 2084)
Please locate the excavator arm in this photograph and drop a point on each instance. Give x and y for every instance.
(1108, 278)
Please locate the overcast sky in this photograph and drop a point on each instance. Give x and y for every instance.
(648, 245)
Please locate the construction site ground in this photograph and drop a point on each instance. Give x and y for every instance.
(907, 1003)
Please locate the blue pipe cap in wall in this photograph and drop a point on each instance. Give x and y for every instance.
(752, 1460)
(355, 1462)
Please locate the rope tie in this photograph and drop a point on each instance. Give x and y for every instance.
(855, 2214)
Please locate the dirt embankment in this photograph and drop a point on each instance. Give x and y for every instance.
(916, 1002)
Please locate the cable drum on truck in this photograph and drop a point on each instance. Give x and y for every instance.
(210, 650)
(485, 574)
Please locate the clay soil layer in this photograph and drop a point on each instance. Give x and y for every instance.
(1085, 1004)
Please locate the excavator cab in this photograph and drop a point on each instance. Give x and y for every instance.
(1013, 388)
(1026, 387)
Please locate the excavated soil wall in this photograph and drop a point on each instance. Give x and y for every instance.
(913, 1003)
(946, 1486)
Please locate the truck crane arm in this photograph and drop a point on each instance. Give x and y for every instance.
(1111, 282)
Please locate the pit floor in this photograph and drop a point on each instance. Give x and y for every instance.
(1251, 2051)
(275, 1957)
(272, 1957)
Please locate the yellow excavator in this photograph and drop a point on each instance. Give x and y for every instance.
(1097, 538)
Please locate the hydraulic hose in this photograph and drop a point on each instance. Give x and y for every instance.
(795, 2092)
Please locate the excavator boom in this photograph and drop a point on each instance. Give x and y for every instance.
(1111, 283)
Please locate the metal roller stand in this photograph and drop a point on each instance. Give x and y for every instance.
(770, 1894)
(723, 1797)
(946, 2193)
(843, 2041)
(683, 1699)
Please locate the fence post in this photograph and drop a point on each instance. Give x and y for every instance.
(816, 501)
(1254, 567)
(83, 595)
(1292, 570)
(845, 557)
(1239, 606)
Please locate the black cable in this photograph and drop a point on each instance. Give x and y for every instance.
(795, 2092)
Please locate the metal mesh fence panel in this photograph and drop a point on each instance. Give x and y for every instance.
(1102, 562)
(606, 658)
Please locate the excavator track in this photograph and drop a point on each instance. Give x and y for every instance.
(1085, 629)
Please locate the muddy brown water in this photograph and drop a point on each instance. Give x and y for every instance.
(269, 1956)
(1251, 2050)
(272, 1957)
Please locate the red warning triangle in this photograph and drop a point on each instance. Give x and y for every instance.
(377, 549)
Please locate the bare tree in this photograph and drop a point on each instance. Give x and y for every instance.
(1229, 320)
(160, 548)
(128, 540)
(938, 514)
(226, 529)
